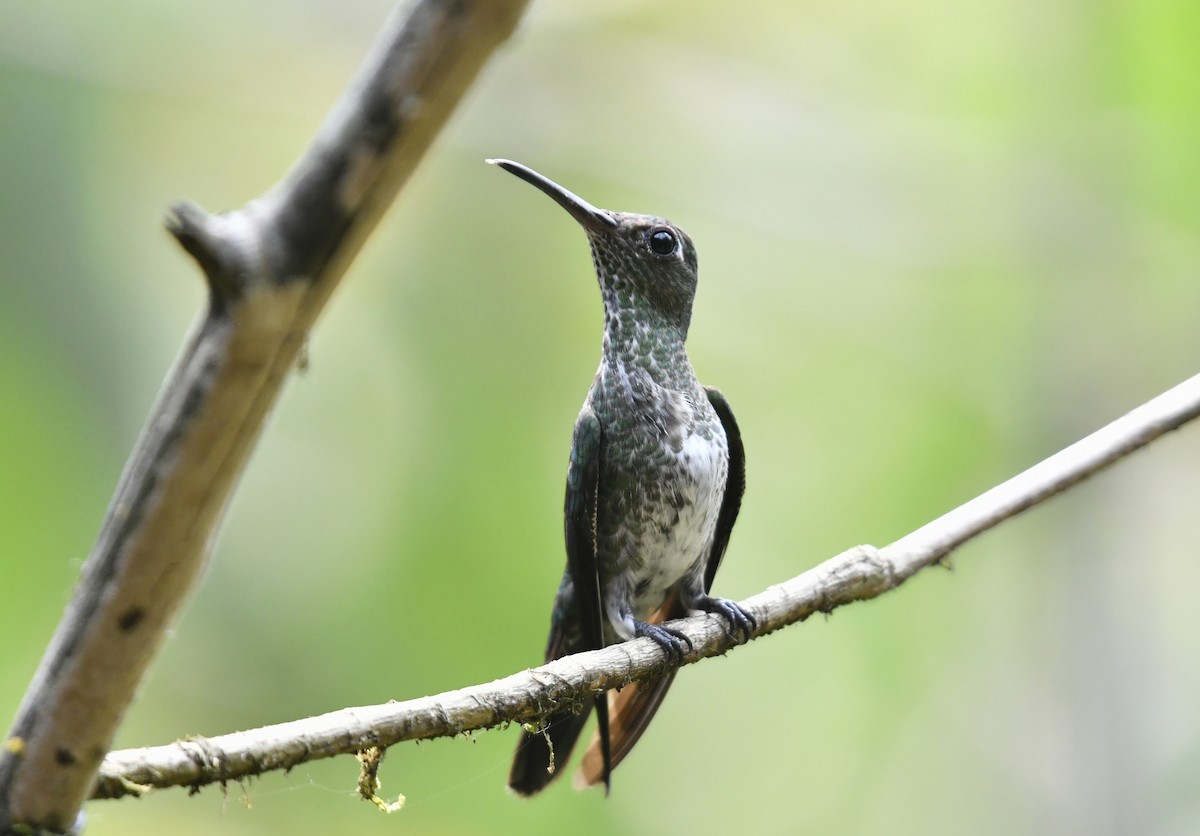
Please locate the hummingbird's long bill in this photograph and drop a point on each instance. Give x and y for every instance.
(592, 219)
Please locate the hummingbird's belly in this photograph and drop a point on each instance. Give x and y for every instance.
(670, 535)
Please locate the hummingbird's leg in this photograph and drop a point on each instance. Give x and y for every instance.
(672, 641)
(741, 622)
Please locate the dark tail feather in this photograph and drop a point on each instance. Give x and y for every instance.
(531, 766)
(606, 760)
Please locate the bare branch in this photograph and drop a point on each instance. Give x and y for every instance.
(855, 575)
(271, 267)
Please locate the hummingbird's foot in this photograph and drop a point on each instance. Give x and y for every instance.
(741, 622)
(672, 641)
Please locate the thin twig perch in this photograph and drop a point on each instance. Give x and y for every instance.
(271, 267)
(855, 575)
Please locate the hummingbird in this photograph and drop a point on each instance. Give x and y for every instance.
(654, 484)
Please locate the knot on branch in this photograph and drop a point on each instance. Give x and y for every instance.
(224, 246)
(207, 759)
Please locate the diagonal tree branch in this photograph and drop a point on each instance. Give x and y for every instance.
(855, 575)
(271, 267)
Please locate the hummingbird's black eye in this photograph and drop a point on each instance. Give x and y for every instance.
(662, 242)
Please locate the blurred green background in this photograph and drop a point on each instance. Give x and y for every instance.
(938, 242)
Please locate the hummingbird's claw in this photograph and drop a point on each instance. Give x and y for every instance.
(672, 641)
(742, 623)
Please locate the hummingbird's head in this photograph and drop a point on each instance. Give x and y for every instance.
(645, 265)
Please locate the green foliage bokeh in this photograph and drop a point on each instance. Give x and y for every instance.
(938, 242)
